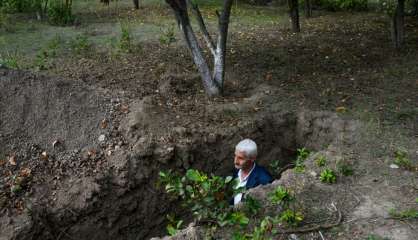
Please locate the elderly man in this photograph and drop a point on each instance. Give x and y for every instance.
(249, 174)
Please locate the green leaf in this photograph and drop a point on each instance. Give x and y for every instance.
(228, 179)
(193, 175)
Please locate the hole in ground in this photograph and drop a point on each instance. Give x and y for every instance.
(128, 205)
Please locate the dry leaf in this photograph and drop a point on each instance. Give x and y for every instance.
(2, 162)
(341, 109)
(12, 160)
(25, 172)
(124, 108)
(55, 143)
(103, 124)
(44, 155)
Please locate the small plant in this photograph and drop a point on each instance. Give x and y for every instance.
(125, 41)
(168, 36)
(328, 176)
(345, 169)
(406, 214)
(302, 155)
(402, 160)
(174, 225)
(252, 205)
(80, 44)
(321, 161)
(291, 218)
(281, 195)
(11, 60)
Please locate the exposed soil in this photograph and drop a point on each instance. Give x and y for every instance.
(81, 144)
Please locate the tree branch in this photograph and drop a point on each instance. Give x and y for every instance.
(202, 26)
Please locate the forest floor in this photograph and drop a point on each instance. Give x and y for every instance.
(340, 62)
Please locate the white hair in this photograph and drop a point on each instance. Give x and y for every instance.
(248, 146)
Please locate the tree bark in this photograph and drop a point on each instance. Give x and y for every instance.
(219, 58)
(308, 8)
(136, 4)
(294, 14)
(398, 30)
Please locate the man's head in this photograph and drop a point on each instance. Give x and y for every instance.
(245, 154)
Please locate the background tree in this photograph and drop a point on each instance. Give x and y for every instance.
(213, 81)
(294, 14)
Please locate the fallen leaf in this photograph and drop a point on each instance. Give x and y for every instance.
(12, 160)
(44, 155)
(103, 124)
(25, 172)
(124, 108)
(341, 109)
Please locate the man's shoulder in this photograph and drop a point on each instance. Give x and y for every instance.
(263, 173)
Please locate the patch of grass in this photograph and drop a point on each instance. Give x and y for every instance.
(320, 161)
(291, 218)
(328, 176)
(11, 59)
(401, 158)
(80, 44)
(168, 36)
(405, 214)
(280, 195)
(125, 41)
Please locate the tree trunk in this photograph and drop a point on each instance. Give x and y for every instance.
(214, 82)
(308, 8)
(220, 53)
(294, 14)
(398, 30)
(136, 4)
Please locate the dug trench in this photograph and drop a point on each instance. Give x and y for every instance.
(87, 162)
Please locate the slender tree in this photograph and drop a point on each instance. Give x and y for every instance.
(213, 80)
(136, 4)
(308, 8)
(294, 14)
(398, 29)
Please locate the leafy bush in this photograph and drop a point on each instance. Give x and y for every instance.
(207, 197)
(173, 226)
(328, 176)
(15, 6)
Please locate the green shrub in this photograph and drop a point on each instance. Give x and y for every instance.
(405, 214)
(291, 218)
(328, 176)
(207, 197)
(174, 225)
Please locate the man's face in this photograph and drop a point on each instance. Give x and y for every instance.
(241, 161)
